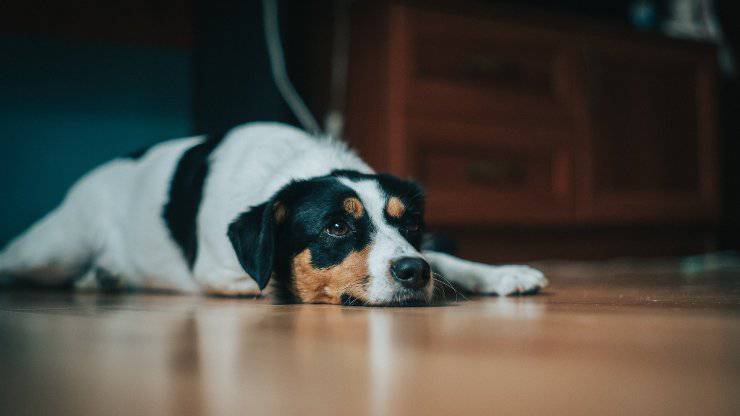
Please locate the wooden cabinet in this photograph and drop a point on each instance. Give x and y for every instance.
(650, 141)
(542, 124)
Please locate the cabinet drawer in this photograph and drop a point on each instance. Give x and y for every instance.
(481, 69)
(496, 169)
(472, 177)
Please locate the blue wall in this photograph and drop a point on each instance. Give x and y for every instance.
(67, 106)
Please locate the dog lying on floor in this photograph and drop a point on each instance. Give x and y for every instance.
(229, 213)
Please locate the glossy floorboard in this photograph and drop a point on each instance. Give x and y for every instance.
(598, 341)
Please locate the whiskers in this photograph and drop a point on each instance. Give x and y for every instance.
(438, 278)
(346, 297)
(352, 294)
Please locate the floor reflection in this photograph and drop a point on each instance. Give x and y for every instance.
(661, 347)
(381, 363)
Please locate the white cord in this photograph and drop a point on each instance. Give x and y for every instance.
(279, 73)
(334, 121)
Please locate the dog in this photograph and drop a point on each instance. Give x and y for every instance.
(230, 213)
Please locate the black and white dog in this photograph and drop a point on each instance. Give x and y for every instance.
(227, 214)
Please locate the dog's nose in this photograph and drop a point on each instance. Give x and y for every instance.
(411, 272)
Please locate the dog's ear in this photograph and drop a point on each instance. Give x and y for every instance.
(253, 236)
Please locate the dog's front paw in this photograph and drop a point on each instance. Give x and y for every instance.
(508, 280)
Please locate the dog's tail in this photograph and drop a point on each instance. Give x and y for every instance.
(52, 252)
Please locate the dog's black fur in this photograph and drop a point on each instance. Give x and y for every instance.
(186, 191)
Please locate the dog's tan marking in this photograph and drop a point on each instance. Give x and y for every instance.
(327, 285)
(279, 211)
(353, 206)
(395, 207)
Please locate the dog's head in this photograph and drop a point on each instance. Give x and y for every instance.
(346, 238)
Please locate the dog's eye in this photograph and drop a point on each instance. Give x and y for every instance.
(338, 229)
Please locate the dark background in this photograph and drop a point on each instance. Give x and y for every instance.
(83, 82)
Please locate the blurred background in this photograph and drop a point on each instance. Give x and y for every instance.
(582, 130)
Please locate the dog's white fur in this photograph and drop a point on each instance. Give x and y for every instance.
(112, 219)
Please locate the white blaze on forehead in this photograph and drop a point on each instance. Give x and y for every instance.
(372, 197)
(386, 242)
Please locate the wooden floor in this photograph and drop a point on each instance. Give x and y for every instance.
(599, 341)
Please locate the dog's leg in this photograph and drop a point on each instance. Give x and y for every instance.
(53, 251)
(484, 278)
(216, 280)
(240, 288)
(225, 283)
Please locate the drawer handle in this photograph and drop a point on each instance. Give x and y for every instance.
(481, 65)
(495, 172)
